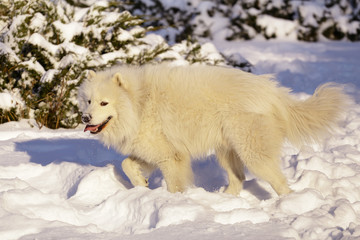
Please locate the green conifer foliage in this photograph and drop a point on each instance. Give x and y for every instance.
(47, 46)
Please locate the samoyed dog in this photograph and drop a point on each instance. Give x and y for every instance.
(162, 116)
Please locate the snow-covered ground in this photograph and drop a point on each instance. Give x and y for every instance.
(63, 184)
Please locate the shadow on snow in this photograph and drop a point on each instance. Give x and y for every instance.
(208, 174)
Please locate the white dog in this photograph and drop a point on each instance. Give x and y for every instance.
(163, 115)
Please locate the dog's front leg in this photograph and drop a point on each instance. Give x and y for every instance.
(177, 172)
(135, 170)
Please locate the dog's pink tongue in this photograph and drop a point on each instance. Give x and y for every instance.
(91, 128)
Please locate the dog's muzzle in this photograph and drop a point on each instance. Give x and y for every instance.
(94, 129)
(86, 118)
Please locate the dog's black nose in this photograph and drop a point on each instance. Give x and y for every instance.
(86, 118)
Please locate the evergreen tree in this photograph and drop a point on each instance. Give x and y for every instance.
(46, 48)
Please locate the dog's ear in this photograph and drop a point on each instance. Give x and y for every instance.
(91, 74)
(117, 78)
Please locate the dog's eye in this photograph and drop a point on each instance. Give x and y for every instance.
(103, 104)
(89, 102)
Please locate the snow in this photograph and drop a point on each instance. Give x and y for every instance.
(49, 75)
(61, 184)
(9, 100)
(311, 13)
(6, 100)
(302, 66)
(69, 30)
(344, 25)
(282, 29)
(38, 40)
(168, 4)
(37, 21)
(208, 49)
(34, 65)
(4, 49)
(205, 24)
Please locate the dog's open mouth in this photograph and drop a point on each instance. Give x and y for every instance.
(94, 129)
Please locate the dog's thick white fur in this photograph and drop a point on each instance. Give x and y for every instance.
(163, 115)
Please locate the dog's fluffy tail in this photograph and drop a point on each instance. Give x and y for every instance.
(310, 120)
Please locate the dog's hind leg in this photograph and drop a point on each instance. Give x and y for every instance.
(270, 172)
(135, 170)
(232, 164)
(258, 142)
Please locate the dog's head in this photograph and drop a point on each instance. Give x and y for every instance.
(105, 101)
